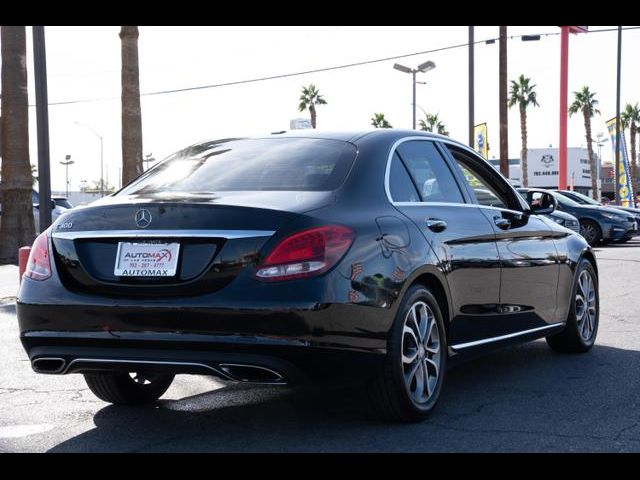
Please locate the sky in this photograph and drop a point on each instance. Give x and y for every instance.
(84, 63)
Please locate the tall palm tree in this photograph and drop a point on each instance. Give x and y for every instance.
(309, 98)
(433, 124)
(379, 121)
(630, 119)
(131, 114)
(17, 228)
(524, 94)
(584, 101)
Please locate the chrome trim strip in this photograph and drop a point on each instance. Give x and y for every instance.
(228, 234)
(220, 372)
(146, 362)
(279, 378)
(503, 337)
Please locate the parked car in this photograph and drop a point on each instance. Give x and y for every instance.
(585, 200)
(62, 202)
(305, 256)
(534, 198)
(597, 224)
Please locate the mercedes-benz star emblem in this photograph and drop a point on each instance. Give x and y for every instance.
(143, 218)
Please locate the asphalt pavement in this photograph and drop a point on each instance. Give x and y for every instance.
(524, 398)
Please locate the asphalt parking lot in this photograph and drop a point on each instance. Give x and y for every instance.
(525, 398)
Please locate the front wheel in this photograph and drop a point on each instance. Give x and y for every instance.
(590, 231)
(580, 332)
(128, 388)
(410, 382)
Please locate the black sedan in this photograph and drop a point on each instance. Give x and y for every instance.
(585, 200)
(379, 258)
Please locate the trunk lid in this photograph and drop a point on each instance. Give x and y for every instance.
(218, 236)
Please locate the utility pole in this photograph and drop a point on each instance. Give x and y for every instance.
(618, 134)
(504, 115)
(42, 120)
(471, 89)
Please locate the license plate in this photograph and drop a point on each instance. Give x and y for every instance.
(146, 259)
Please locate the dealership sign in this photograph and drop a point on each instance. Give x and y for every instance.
(543, 167)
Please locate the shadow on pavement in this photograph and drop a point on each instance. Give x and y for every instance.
(525, 398)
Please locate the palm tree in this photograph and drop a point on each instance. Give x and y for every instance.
(524, 94)
(379, 121)
(433, 123)
(17, 228)
(630, 119)
(309, 98)
(584, 101)
(131, 115)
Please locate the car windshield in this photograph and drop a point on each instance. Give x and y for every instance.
(566, 201)
(302, 164)
(585, 199)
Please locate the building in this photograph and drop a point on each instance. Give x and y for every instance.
(543, 167)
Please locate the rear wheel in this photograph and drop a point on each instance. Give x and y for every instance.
(581, 329)
(128, 388)
(409, 385)
(591, 232)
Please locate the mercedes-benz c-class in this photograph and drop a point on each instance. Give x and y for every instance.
(378, 258)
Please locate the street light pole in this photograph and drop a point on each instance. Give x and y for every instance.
(67, 161)
(425, 67)
(101, 155)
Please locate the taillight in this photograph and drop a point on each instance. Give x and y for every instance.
(39, 265)
(306, 253)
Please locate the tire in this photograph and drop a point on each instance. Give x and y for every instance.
(390, 395)
(123, 389)
(578, 336)
(591, 232)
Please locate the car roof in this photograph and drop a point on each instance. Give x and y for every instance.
(345, 135)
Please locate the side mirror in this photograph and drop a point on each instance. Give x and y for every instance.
(542, 203)
(53, 205)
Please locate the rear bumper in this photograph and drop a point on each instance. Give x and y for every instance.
(263, 346)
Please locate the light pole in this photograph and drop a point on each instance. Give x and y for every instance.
(149, 158)
(599, 142)
(425, 67)
(66, 162)
(101, 155)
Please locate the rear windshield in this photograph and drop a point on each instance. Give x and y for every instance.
(302, 164)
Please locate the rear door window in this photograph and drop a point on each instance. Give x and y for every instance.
(429, 172)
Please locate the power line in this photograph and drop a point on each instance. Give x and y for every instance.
(319, 70)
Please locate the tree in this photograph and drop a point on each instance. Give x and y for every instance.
(131, 114)
(523, 94)
(433, 124)
(309, 98)
(379, 121)
(584, 101)
(630, 119)
(17, 228)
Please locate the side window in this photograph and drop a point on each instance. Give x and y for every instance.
(485, 193)
(429, 172)
(401, 187)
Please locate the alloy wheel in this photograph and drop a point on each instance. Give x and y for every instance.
(421, 353)
(589, 232)
(586, 306)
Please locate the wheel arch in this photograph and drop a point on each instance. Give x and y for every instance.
(438, 287)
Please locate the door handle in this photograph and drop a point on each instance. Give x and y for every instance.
(436, 225)
(502, 223)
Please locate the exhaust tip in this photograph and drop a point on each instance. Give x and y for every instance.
(48, 365)
(251, 373)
